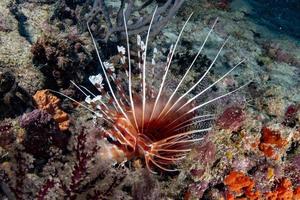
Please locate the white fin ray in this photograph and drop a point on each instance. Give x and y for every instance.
(199, 81)
(161, 167)
(211, 85)
(105, 74)
(144, 58)
(188, 70)
(217, 98)
(194, 118)
(168, 66)
(93, 100)
(181, 134)
(208, 102)
(70, 98)
(166, 158)
(194, 123)
(129, 75)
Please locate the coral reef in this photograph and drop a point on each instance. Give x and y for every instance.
(290, 116)
(53, 149)
(278, 54)
(87, 174)
(4, 25)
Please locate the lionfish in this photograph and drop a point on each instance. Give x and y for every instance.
(159, 128)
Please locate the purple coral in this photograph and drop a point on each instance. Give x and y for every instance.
(196, 190)
(205, 153)
(6, 134)
(45, 188)
(290, 116)
(14, 176)
(232, 118)
(296, 162)
(83, 156)
(41, 132)
(146, 187)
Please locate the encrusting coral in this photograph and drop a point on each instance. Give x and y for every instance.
(270, 140)
(50, 103)
(241, 186)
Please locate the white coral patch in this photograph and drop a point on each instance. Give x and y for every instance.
(97, 115)
(143, 46)
(110, 66)
(96, 79)
(155, 52)
(97, 98)
(121, 50)
(89, 100)
(138, 40)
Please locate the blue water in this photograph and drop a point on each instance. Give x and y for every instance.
(282, 16)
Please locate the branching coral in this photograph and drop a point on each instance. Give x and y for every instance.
(14, 175)
(80, 173)
(139, 25)
(86, 176)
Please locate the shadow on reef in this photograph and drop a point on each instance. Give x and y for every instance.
(14, 100)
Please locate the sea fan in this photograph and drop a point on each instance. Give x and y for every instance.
(149, 123)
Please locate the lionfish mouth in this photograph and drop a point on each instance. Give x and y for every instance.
(160, 128)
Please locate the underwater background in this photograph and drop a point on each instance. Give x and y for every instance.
(53, 148)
